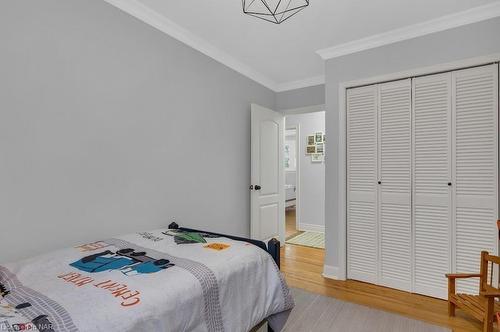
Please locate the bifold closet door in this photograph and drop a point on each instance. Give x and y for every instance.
(394, 185)
(432, 223)
(422, 179)
(475, 116)
(362, 243)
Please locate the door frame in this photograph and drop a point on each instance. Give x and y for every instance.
(297, 173)
(340, 272)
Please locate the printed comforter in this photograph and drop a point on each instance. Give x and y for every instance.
(161, 280)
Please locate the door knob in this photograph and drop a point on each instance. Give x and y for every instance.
(257, 187)
(449, 183)
(379, 182)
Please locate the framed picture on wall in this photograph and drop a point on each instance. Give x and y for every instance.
(319, 137)
(320, 148)
(310, 149)
(310, 140)
(317, 158)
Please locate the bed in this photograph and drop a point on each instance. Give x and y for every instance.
(172, 279)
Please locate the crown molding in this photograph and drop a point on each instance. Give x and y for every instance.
(304, 83)
(158, 21)
(446, 22)
(151, 17)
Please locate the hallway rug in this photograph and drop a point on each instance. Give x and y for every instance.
(317, 313)
(309, 239)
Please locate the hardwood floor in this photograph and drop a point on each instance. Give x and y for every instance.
(303, 267)
(290, 223)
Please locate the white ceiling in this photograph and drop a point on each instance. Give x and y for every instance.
(284, 53)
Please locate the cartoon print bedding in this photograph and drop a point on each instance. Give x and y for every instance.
(161, 280)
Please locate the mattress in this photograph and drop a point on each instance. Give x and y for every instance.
(161, 280)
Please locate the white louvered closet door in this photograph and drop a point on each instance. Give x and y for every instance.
(362, 244)
(394, 209)
(475, 115)
(432, 221)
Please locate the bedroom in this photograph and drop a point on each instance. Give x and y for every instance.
(100, 101)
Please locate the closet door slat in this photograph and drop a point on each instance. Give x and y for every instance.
(475, 116)
(362, 244)
(395, 184)
(431, 174)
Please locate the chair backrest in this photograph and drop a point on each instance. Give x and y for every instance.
(488, 263)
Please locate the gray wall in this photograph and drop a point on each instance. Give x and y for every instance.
(109, 126)
(314, 95)
(465, 42)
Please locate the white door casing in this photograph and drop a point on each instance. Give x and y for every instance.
(267, 212)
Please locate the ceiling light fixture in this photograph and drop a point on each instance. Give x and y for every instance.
(274, 11)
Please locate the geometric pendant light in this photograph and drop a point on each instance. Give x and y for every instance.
(274, 11)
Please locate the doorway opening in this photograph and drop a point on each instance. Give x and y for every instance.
(304, 152)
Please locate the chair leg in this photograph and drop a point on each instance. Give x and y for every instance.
(451, 309)
(487, 326)
(451, 291)
(488, 318)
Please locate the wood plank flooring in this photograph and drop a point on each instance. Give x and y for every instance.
(303, 267)
(290, 228)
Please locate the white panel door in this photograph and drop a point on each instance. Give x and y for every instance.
(475, 116)
(267, 174)
(394, 196)
(362, 239)
(432, 223)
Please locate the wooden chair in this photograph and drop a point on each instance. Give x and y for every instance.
(483, 306)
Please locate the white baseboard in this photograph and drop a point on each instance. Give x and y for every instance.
(330, 272)
(311, 228)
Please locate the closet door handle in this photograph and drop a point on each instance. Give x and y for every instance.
(449, 184)
(379, 182)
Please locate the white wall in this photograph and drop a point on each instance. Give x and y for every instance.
(311, 212)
